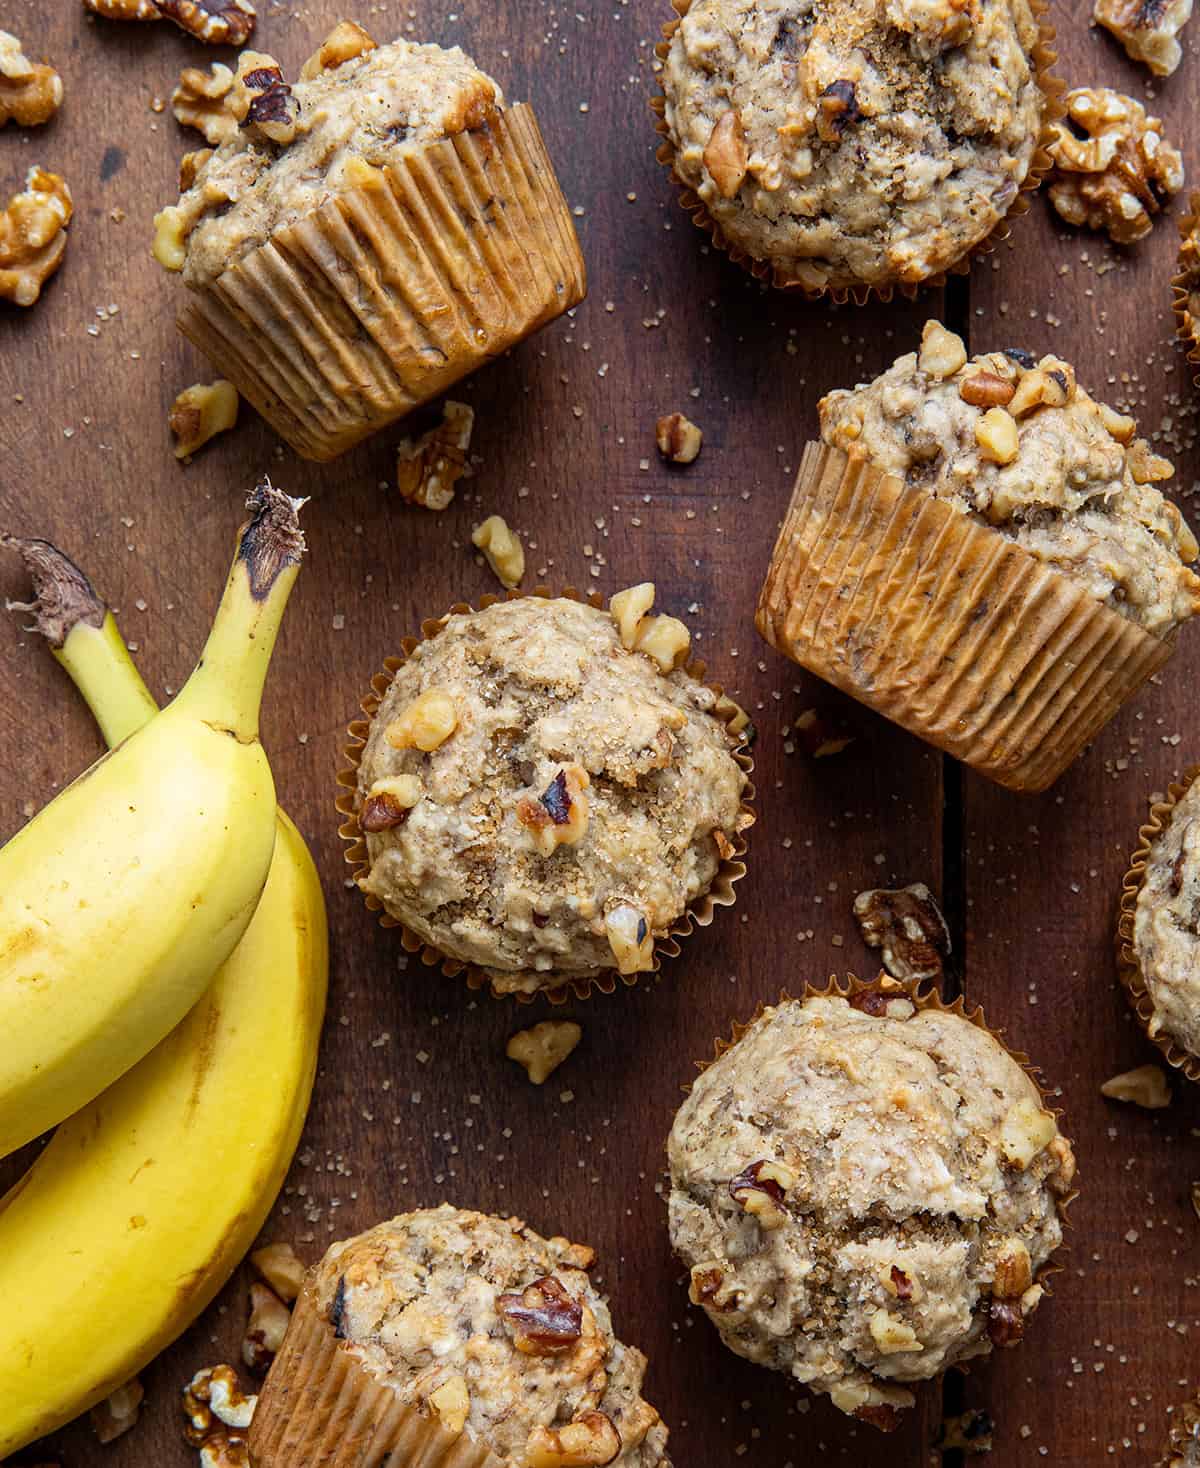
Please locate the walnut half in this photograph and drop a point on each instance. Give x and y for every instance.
(215, 22)
(201, 100)
(30, 92)
(429, 467)
(1120, 173)
(589, 1442)
(907, 925)
(33, 236)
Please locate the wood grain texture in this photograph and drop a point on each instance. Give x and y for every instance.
(415, 1102)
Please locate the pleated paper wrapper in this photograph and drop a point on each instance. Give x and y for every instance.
(944, 626)
(387, 294)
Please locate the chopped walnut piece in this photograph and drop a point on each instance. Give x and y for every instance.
(428, 468)
(664, 639)
(200, 412)
(344, 43)
(451, 1403)
(1013, 1270)
(893, 1335)
(124, 9)
(202, 100)
(1194, 1194)
(986, 390)
(1145, 466)
(30, 92)
(170, 237)
(212, 1401)
(389, 801)
(707, 1288)
(1147, 29)
(502, 550)
(33, 236)
(996, 435)
(761, 1190)
(679, 440)
(425, 724)
(215, 22)
(589, 1442)
(559, 816)
(282, 1269)
(1049, 385)
(942, 352)
(727, 157)
(119, 1412)
(544, 1047)
(190, 165)
(630, 938)
(1006, 1322)
(225, 1447)
(972, 1432)
(1026, 1131)
(628, 609)
(1146, 1087)
(265, 1329)
(1120, 173)
(907, 925)
(544, 1320)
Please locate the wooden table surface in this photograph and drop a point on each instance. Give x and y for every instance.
(415, 1101)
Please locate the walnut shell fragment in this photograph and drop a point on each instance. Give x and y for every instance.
(907, 925)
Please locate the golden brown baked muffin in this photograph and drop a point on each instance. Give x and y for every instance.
(844, 145)
(979, 550)
(545, 792)
(1159, 926)
(368, 234)
(446, 1328)
(866, 1190)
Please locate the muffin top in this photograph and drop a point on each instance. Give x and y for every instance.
(357, 107)
(1021, 446)
(540, 798)
(854, 142)
(864, 1193)
(498, 1332)
(1166, 932)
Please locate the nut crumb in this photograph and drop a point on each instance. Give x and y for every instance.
(200, 412)
(679, 440)
(502, 550)
(281, 1268)
(1145, 1086)
(124, 9)
(265, 1329)
(544, 1047)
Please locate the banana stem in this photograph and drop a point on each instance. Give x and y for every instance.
(226, 688)
(71, 615)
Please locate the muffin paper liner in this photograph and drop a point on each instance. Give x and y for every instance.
(922, 994)
(1053, 88)
(700, 911)
(321, 1408)
(391, 291)
(1185, 1433)
(1129, 968)
(952, 631)
(1186, 282)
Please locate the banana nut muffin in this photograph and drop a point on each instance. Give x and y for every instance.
(497, 1331)
(298, 145)
(1184, 1448)
(864, 1193)
(851, 143)
(1166, 932)
(545, 791)
(1019, 445)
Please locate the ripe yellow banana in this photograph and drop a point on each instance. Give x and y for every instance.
(142, 1205)
(120, 900)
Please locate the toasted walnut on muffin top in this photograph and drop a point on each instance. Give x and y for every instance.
(356, 108)
(854, 142)
(865, 1193)
(1018, 444)
(497, 1332)
(545, 790)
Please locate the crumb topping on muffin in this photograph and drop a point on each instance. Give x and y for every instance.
(1166, 933)
(854, 142)
(864, 1193)
(299, 144)
(498, 1332)
(1019, 445)
(567, 795)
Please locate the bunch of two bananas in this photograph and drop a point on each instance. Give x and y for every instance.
(163, 967)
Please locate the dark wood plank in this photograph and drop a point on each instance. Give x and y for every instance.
(1112, 1351)
(563, 428)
